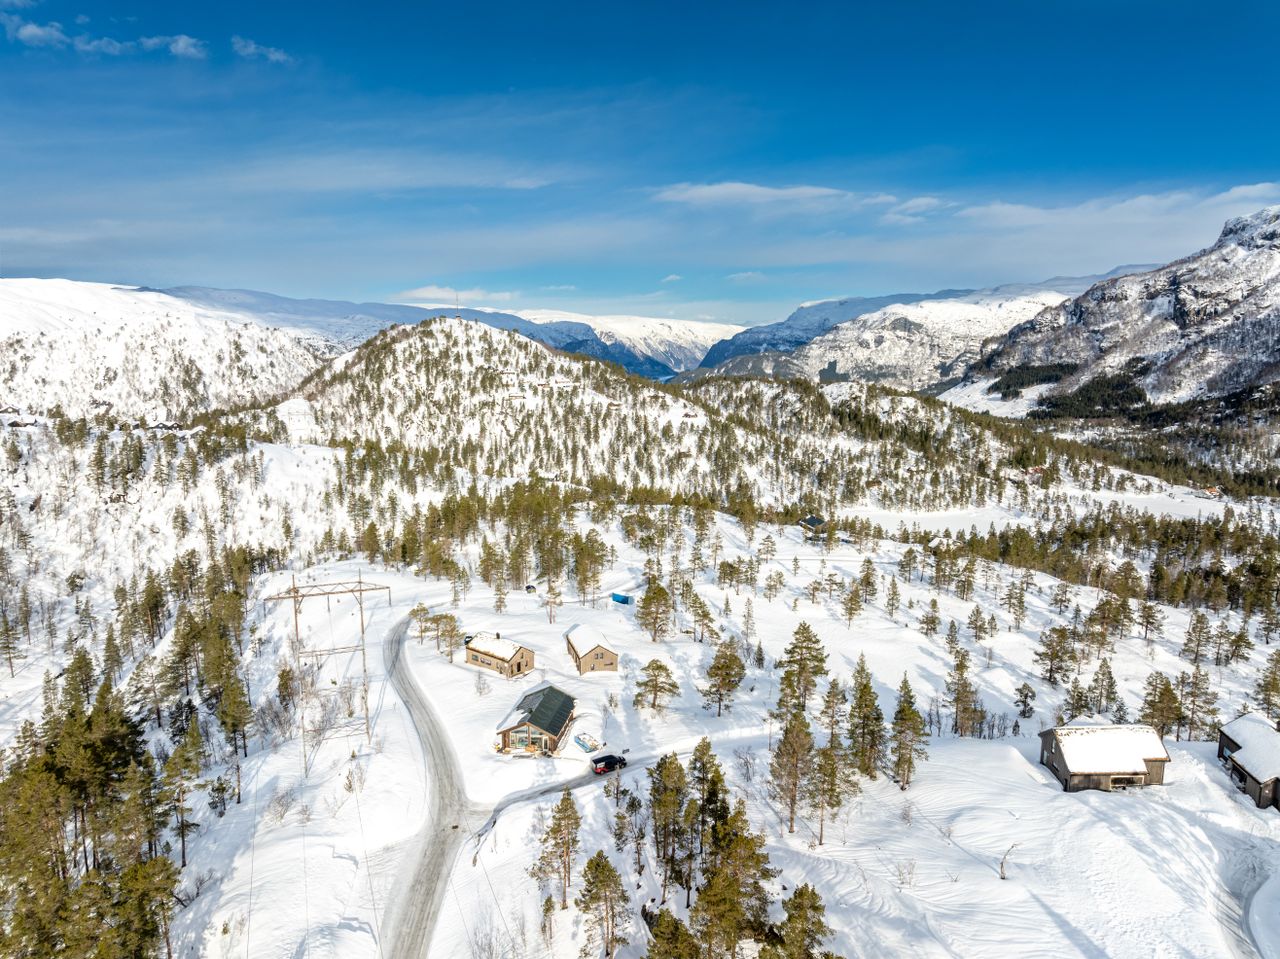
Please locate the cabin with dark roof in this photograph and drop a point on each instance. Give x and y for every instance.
(538, 722)
(1249, 749)
(813, 525)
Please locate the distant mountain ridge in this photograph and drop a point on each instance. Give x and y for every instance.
(1203, 326)
(913, 342)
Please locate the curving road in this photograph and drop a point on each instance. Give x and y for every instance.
(424, 880)
(422, 887)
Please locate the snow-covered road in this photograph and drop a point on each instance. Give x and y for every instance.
(425, 875)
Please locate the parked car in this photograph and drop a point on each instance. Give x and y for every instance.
(607, 764)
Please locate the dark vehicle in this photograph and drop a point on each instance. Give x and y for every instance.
(607, 764)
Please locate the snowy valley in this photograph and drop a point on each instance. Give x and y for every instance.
(337, 791)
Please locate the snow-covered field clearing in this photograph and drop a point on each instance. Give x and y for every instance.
(1163, 871)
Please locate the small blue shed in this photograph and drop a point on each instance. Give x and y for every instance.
(622, 598)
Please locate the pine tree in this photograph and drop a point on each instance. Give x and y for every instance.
(850, 605)
(9, 647)
(1267, 691)
(1054, 655)
(930, 619)
(733, 904)
(1199, 705)
(553, 600)
(977, 624)
(804, 662)
(182, 774)
(801, 934)
(792, 758)
(866, 722)
(1025, 696)
(560, 844)
(672, 939)
(867, 581)
(656, 687)
(668, 792)
(1160, 706)
(1151, 622)
(603, 902)
(962, 697)
(1197, 639)
(907, 736)
(724, 676)
(893, 599)
(832, 777)
(653, 612)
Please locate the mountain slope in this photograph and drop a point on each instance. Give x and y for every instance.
(88, 347)
(677, 344)
(808, 321)
(1202, 326)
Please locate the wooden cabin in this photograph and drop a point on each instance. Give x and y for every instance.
(538, 723)
(813, 525)
(589, 650)
(491, 651)
(1086, 755)
(1249, 748)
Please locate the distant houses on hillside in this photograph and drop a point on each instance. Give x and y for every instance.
(1249, 747)
(1107, 757)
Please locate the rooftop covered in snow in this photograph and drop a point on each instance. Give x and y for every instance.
(1096, 748)
(585, 638)
(1259, 743)
(491, 644)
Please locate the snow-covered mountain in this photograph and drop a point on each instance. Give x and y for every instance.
(145, 354)
(151, 354)
(1202, 326)
(915, 346)
(809, 320)
(677, 344)
(881, 343)
(910, 344)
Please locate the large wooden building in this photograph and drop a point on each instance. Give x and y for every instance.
(1103, 756)
(1249, 748)
(491, 651)
(589, 650)
(538, 723)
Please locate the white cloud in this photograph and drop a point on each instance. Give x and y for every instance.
(560, 288)
(31, 34)
(104, 45)
(914, 210)
(747, 276)
(433, 294)
(179, 45)
(251, 50)
(369, 170)
(672, 278)
(736, 193)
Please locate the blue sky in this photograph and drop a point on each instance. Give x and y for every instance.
(700, 160)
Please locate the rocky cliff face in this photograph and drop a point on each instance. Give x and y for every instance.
(1203, 326)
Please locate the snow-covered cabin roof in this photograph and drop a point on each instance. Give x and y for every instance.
(1106, 748)
(1259, 741)
(492, 645)
(583, 639)
(547, 708)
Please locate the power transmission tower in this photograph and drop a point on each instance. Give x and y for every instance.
(296, 594)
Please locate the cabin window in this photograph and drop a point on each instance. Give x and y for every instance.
(1125, 782)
